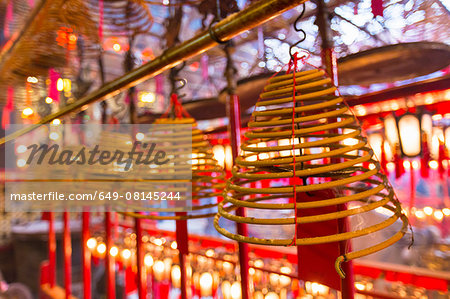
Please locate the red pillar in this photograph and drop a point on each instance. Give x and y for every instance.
(234, 132)
(51, 249)
(140, 253)
(67, 244)
(109, 260)
(183, 251)
(86, 256)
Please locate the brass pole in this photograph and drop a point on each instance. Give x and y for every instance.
(254, 15)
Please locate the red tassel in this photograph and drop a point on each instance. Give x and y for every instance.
(8, 108)
(377, 8)
(441, 158)
(399, 168)
(425, 159)
(383, 161)
(8, 19)
(100, 22)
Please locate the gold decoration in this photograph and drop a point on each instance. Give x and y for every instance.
(318, 143)
(208, 177)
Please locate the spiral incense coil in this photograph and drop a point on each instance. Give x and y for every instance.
(313, 139)
(208, 178)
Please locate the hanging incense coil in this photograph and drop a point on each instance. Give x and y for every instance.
(315, 148)
(208, 177)
(123, 18)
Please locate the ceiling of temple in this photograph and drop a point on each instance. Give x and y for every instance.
(71, 37)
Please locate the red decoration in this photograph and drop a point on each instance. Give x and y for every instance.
(399, 168)
(52, 87)
(8, 108)
(425, 158)
(377, 8)
(66, 38)
(441, 158)
(320, 257)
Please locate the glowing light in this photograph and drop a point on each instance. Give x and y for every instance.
(272, 295)
(139, 137)
(209, 253)
(60, 84)
(360, 286)
(390, 166)
(27, 111)
(415, 165)
(219, 154)
(436, 117)
(21, 149)
(360, 110)
(228, 157)
(433, 164)
(394, 106)
(157, 242)
(438, 215)
(251, 271)
(390, 129)
(91, 243)
(410, 134)
(318, 289)
(67, 85)
(148, 261)
(158, 270)
(48, 100)
(126, 254)
(259, 263)
(147, 97)
(175, 274)
(284, 280)
(21, 163)
(56, 121)
(174, 245)
(446, 211)
(32, 80)
(236, 290)
(285, 270)
(206, 283)
(420, 214)
(116, 47)
(387, 151)
(226, 289)
(54, 136)
(274, 279)
(406, 164)
(101, 248)
(114, 251)
(376, 142)
(72, 37)
(428, 211)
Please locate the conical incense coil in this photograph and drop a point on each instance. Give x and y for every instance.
(315, 148)
(208, 178)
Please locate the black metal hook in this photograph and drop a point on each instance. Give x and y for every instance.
(297, 29)
(213, 35)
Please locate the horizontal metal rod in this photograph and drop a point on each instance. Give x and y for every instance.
(254, 15)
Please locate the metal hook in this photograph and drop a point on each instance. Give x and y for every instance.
(297, 29)
(213, 35)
